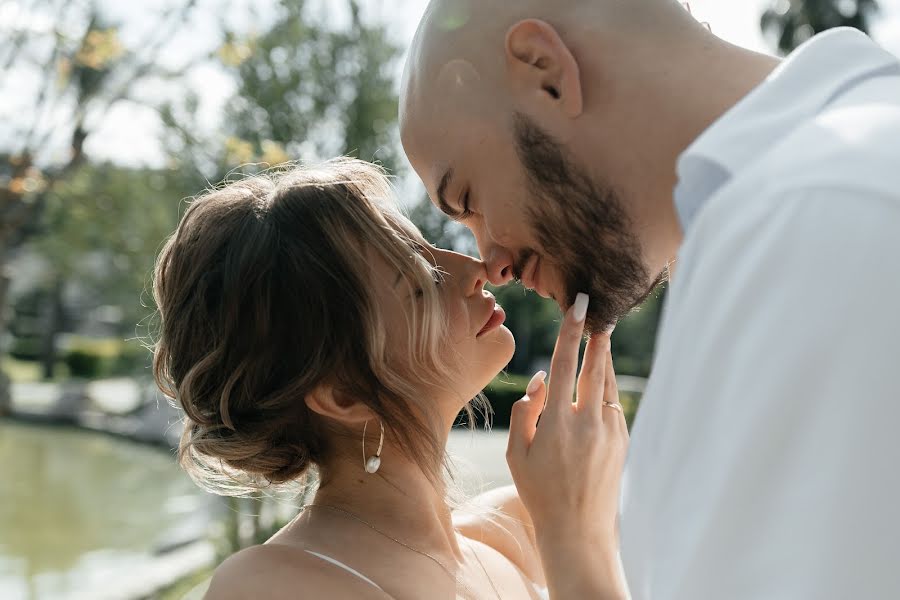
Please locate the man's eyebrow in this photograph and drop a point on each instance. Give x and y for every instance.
(442, 196)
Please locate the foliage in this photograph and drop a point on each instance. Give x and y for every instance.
(132, 359)
(83, 364)
(634, 340)
(301, 83)
(25, 325)
(26, 371)
(306, 89)
(83, 70)
(792, 22)
(329, 86)
(101, 230)
(28, 348)
(86, 358)
(96, 358)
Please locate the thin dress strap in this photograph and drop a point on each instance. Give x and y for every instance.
(338, 563)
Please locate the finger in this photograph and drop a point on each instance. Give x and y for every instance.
(611, 392)
(592, 379)
(536, 389)
(524, 417)
(564, 365)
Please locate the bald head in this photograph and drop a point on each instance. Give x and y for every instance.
(460, 51)
(457, 54)
(518, 115)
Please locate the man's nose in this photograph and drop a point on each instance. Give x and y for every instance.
(499, 264)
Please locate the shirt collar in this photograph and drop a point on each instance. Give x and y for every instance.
(807, 80)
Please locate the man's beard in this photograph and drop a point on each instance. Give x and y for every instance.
(583, 229)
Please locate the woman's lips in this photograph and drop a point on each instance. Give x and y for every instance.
(495, 320)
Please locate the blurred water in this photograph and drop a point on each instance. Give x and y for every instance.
(78, 510)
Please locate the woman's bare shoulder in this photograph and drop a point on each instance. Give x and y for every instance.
(275, 571)
(499, 519)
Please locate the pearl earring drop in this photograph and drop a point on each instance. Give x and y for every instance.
(372, 463)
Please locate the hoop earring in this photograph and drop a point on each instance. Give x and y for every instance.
(372, 463)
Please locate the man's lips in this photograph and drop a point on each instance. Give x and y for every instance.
(494, 320)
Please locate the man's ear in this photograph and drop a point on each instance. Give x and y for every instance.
(329, 402)
(540, 62)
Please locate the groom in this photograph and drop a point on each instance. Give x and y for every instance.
(592, 144)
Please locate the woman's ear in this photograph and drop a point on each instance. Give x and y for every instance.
(540, 63)
(329, 402)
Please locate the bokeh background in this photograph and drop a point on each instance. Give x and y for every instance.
(111, 115)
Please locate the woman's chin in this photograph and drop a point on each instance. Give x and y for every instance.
(502, 348)
(509, 339)
(488, 359)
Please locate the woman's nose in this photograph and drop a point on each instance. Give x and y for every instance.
(476, 277)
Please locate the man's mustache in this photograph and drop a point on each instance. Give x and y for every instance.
(519, 265)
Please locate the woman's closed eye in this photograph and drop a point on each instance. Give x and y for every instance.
(438, 278)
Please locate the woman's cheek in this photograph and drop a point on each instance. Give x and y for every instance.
(459, 322)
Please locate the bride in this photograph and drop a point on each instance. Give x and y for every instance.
(307, 328)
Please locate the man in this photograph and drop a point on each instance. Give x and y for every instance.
(588, 144)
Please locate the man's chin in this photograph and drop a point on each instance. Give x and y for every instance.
(595, 324)
(601, 318)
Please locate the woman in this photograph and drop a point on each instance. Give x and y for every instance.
(307, 327)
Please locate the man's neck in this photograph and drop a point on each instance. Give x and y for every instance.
(721, 75)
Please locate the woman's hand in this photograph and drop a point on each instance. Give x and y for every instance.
(568, 470)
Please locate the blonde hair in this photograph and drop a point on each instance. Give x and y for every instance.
(264, 293)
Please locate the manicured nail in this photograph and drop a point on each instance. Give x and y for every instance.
(579, 309)
(535, 384)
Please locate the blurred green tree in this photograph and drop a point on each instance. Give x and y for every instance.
(792, 22)
(101, 229)
(306, 89)
(83, 69)
(304, 86)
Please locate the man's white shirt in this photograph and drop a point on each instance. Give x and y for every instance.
(765, 458)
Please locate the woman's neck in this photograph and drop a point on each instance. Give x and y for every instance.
(399, 500)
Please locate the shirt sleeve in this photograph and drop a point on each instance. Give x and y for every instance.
(776, 408)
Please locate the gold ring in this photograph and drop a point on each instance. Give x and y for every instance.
(613, 405)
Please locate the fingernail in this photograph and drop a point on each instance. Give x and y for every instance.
(579, 309)
(611, 329)
(535, 384)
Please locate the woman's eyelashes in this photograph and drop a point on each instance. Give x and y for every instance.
(437, 277)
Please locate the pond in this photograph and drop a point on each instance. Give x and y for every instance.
(78, 509)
